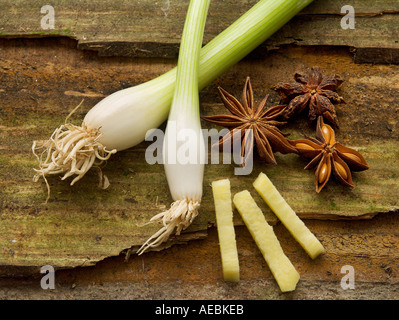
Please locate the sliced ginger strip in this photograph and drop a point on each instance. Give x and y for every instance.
(287, 216)
(225, 227)
(281, 267)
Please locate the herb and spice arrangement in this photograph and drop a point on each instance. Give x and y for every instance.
(317, 94)
(121, 121)
(259, 126)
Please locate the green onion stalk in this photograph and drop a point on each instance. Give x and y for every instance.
(183, 132)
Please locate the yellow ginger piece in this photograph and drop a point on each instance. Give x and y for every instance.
(225, 227)
(281, 267)
(287, 216)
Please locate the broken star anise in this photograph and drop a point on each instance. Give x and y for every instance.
(317, 93)
(329, 155)
(252, 125)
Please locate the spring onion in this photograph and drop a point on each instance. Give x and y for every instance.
(122, 119)
(183, 132)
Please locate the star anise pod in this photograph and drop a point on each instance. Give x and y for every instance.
(254, 125)
(317, 93)
(329, 155)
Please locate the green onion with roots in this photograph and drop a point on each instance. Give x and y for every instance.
(183, 132)
(122, 120)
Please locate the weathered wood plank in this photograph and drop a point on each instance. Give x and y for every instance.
(84, 224)
(194, 271)
(148, 29)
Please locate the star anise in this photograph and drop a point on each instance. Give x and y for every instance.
(329, 155)
(263, 128)
(315, 92)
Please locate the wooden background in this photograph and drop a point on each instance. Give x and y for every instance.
(85, 232)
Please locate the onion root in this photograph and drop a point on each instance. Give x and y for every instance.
(180, 215)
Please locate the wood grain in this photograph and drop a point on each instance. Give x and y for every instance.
(90, 235)
(42, 79)
(153, 29)
(84, 224)
(194, 271)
